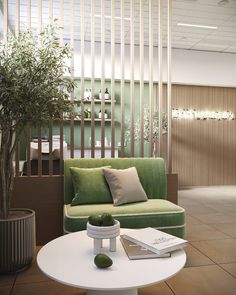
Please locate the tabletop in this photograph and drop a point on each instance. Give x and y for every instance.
(69, 259)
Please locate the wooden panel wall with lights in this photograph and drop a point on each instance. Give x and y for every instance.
(204, 150)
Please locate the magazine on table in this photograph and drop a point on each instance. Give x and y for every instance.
(135, 251)
(155, 240)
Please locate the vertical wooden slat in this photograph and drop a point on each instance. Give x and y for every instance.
(28, 20)
(72, 125)
(112, 78)
(92, 78)
(50, 11)
(82, 74)
(61, 20)
(17, 20)
(61, 120)
(17, 159)
(39, 151)
(39, 16)
(5, 19)
(151, 96)
(122, 82)
(28, 138)
(169, 100)
(61, 145)
(160, 80)
(17, 153)
(39, 127)
(102, 78)
(141, 57)
(28, 153)
(132, 107)
(50, 126)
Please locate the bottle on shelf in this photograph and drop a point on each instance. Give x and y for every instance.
(87, 113)
(87, 94)
(106, 94)
(105, 114)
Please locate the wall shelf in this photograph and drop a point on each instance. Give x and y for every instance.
(88, 120)
(95, 100)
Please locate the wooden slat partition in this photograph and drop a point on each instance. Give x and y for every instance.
(122, 82)
(17, 20)
(28, 20)
(50, 10)
(39, 151)
(169, 88)
(92, 143)
(160, 79)
(112, 78)
(72, 96)
(5, 19)
(102, 78)
(132, 101)
(17, 159)
(39, 16)
(28, 153)
(82, 75)
(151, 96)
(61, 20)
(61, 119)
(141, 91)
(17, 153)
(50, 128)
(61, 146)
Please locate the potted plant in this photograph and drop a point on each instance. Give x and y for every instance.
(32, 90)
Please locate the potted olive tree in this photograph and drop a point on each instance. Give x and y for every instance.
(32, 89)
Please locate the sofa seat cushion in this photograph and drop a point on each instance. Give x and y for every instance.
(157, 213)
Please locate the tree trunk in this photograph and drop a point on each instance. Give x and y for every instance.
(6, 171)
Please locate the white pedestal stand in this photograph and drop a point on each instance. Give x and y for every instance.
(98, 233)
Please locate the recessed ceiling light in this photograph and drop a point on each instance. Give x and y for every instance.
(197, 26)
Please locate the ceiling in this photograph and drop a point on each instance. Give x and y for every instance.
(219, 13)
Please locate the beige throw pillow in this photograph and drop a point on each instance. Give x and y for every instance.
(124, 185)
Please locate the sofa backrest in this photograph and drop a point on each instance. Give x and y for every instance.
(151, 173)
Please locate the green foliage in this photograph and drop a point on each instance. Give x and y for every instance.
(32, 86)
(32, 89)
(146, 127)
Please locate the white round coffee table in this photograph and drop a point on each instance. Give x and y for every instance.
(69, 260)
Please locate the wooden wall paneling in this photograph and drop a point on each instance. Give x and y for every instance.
(199, 153)
(211, 145)
(203, 150)
(232, 131)
(219, 139)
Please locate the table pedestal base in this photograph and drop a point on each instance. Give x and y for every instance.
(121, 292)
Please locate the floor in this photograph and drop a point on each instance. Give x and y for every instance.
(211, 254)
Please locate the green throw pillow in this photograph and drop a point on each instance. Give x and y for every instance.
(90, 186)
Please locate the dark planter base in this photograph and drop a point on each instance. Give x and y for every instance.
(17, 240)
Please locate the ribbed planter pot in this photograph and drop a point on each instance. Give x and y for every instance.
(17, 240)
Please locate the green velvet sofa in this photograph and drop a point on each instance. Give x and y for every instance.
(157, 212)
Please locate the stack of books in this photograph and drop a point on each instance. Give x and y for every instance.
(150, 243)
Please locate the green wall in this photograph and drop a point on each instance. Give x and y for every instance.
(77, 131)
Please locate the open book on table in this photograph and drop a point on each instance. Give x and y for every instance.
(135, 251)
(155, 240)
